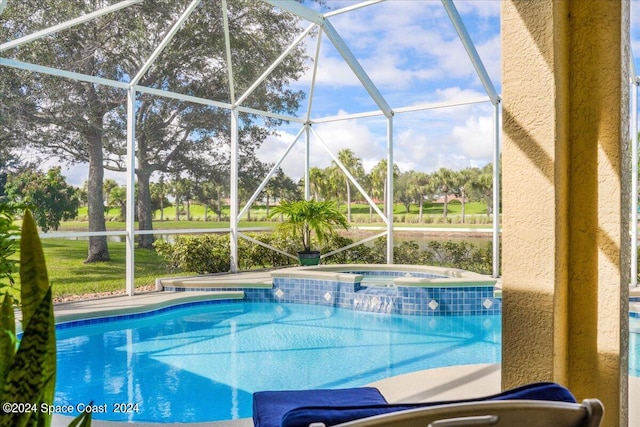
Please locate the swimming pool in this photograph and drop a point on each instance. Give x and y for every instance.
(202, 363)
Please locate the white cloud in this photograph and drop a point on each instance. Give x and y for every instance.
(415, 150)
(456, 93)
(274, 147)
(482, 8)
(475, 138)
(352, 134)
(355, 135)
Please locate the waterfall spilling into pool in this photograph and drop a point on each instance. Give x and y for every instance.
(377, 299)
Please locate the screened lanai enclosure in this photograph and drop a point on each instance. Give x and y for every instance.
(230, 91)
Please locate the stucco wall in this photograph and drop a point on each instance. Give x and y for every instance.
(565, 250)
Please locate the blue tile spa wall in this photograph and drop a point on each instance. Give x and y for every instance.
(427, 301)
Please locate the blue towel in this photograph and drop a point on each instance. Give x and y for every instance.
(269, 407)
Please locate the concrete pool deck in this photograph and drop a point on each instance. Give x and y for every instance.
(435, 384)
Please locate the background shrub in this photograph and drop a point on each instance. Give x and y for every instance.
(204, 254)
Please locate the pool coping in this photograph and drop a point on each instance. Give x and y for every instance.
(123, 305)
(263, 279)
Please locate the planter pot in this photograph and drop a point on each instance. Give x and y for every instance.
(309, 258)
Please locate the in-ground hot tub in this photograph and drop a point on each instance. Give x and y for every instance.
(382, 288)
(389, 288)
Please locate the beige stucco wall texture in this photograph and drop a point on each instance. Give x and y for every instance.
(565, 205)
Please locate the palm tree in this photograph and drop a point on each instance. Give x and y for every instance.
(421, 188)
(305, 218)
(183, 188)
(159, 193)
(379, 181)
(318, 183)
(118, 198)
(483, 186)
(176, 191)
(207, 194)
(108, 185)
(404, 189)
(465, 178)
(444, 181)
(354, 165)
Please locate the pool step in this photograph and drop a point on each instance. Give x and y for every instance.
(225, 281)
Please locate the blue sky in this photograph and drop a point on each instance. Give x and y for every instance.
(410, 50)
(412, 53)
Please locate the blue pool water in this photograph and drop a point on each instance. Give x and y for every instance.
(203, 363)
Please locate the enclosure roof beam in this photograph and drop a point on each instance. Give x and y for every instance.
(633, 77)
(272, 172)
(312, 16)
(285, 117)
(396, 111)
(314, 76)
(351, 60)
(165, 41)
(143, 89)
(61, 73)
(64, 25)
(182, 97)
(227, 50)
(352, 7)
(299, 10)
(275, 63)
(456, 20)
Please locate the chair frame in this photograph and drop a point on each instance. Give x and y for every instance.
(520, 413)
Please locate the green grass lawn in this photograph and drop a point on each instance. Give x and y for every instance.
(197, 211)
(69, 275)
(476, 213)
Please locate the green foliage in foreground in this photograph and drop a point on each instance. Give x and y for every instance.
(8, 248)
(28, 374)
(210, 254)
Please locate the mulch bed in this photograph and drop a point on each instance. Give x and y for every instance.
(82, 297)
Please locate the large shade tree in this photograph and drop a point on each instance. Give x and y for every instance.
(85, 122)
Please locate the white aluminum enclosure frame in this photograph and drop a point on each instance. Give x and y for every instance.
(634, 82)
(323, 25)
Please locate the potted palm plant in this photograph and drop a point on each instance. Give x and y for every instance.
(304, 218)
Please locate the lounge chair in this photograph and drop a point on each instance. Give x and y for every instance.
(520, 413)
(533, 405)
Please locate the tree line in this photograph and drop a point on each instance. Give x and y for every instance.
(55, 200)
